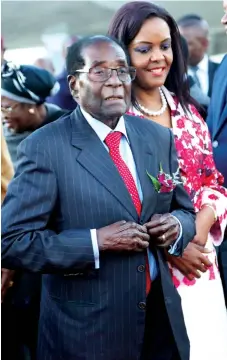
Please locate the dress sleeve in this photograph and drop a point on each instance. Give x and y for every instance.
(212, 192)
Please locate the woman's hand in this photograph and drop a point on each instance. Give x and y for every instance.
(192, 261)
(204, 221)
(6, 277)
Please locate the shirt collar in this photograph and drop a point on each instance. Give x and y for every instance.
(203, 65)
(102, 130)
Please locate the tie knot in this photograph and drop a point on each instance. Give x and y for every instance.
(113, 139)
(194, 69)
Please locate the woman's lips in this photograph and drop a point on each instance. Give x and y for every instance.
(157, 71)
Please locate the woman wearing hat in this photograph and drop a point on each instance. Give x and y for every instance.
(24, 91)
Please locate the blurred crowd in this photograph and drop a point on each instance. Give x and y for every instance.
(54, 90)
(32, 96)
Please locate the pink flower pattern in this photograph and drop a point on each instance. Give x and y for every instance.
(200, 177)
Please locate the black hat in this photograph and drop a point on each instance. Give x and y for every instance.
(27, 84)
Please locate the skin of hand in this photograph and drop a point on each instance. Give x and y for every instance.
(204, 221)
(192, 261)
(163, 229)
(7, 276)
(123, 236)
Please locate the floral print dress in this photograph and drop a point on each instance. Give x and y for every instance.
(202, 299)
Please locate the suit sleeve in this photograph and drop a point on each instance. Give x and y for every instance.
(182, 207)
(28, 242)
(212, 191)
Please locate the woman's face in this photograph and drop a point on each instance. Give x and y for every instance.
(151, 53)
(17, 116)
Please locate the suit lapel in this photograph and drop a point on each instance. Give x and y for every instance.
(96, 160)
(223, 118)
(211, 72)
(145, 161)
(220, 97)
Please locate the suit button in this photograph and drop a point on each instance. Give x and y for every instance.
(142, 305)
(141, 268)
(215, 144)
(168, 300)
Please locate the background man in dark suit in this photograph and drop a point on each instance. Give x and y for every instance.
(217, 123)
(63, 97)
(77, 213)
(196, 32)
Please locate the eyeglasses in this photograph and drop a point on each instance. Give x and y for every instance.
(100, 74)
(9, 109)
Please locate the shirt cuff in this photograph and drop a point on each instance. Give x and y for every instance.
(95, 247)
(173, 249)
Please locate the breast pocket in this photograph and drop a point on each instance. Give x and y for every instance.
(164, 202)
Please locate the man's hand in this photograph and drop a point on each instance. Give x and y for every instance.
(7, 276)
(192, 261)
(163, 229)
(123, 236)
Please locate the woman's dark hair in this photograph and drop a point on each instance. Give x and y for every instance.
(126, 24)
(184, 47)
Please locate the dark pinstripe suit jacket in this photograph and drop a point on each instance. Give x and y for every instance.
(65, 185)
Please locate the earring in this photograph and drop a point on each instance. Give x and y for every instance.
(31, 111)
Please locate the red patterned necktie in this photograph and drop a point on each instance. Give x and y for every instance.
(113, 142)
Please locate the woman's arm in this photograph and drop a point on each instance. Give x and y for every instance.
(212, 199)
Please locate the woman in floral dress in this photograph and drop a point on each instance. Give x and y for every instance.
(160, 93)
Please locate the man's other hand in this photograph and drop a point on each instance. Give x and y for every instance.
(123, 236)
(163, 229)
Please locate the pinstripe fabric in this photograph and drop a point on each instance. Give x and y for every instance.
(65, 185)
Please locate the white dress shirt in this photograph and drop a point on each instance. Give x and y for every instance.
(202, 74)
(102, 131)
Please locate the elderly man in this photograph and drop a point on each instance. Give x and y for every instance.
(90, 210)
(217, 123)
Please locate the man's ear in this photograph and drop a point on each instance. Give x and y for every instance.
(73, 85)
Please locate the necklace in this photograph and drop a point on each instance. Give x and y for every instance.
(154, 113)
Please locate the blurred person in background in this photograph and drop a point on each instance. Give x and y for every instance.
(24, 90)
(196, 32)
(159, 93)
(6, 274)
(2, 52)
(6, 175)
(195, 90)
(45, 63)
(217, 123)
(63, 97)
(6, 166)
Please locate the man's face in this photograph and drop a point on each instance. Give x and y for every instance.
(102, 99)
(197, 43)
(16, 116)
(224, 18)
